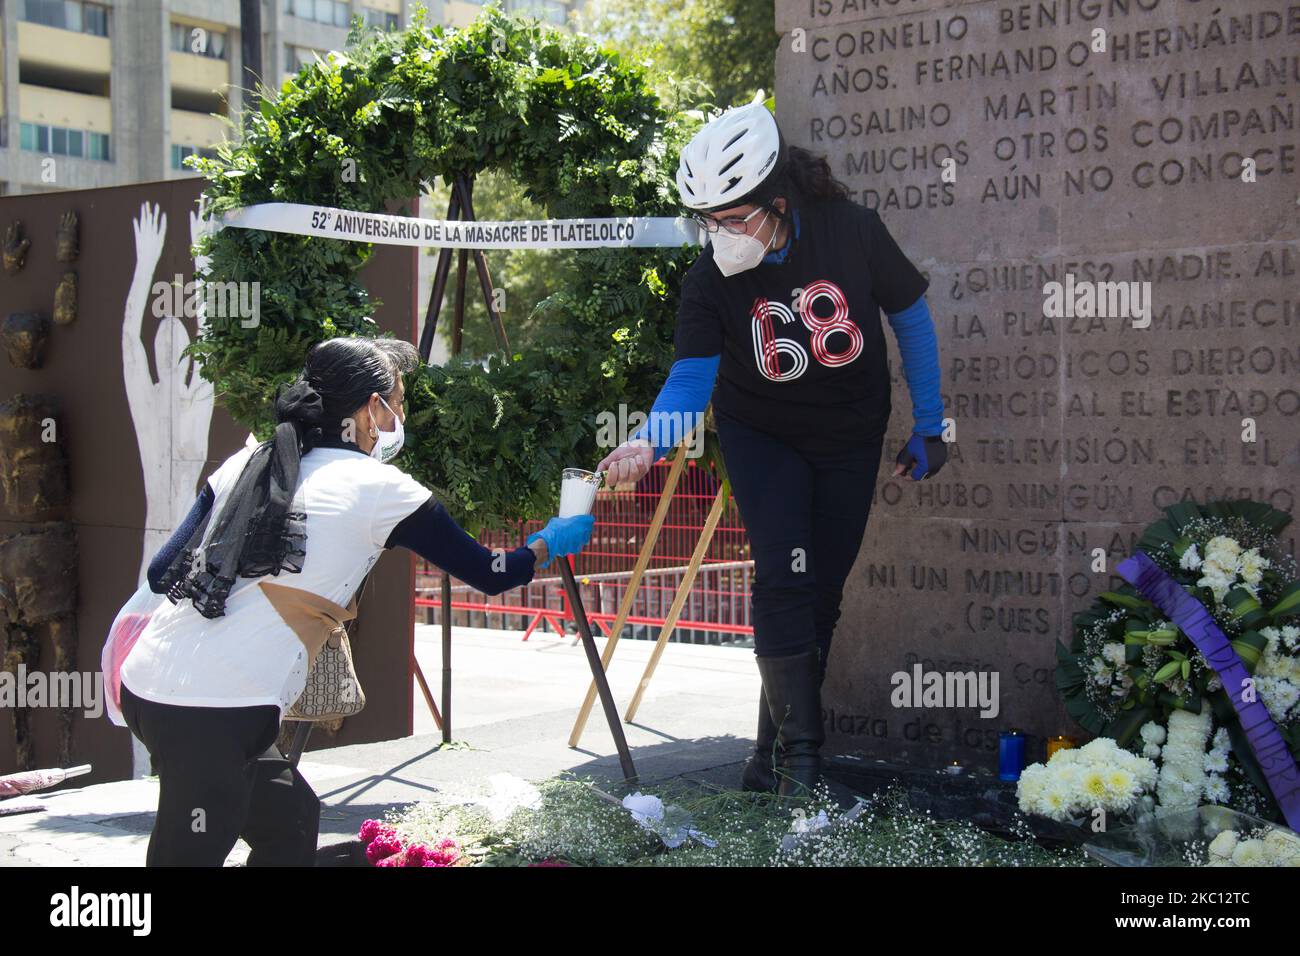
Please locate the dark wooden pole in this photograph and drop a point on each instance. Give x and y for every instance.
(446, 658)
(439, 286)
(481, 266)
(250, 48)
(462, 207)
(597, 670)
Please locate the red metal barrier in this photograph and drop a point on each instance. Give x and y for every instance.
(717, 608)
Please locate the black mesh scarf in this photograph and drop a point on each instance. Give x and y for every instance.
(256, 533)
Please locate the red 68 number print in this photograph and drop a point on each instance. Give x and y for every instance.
(768, 347)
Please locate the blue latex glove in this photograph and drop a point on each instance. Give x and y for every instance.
(922, 456)
(564, 536)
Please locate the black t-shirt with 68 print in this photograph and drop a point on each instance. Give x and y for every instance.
(818, 373)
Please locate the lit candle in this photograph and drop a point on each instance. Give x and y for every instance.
(1059, 743)
(954, 768)
(1011, 754)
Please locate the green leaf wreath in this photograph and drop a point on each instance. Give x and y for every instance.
(582, 131)
(1128, 667)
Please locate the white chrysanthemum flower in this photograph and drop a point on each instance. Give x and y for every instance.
(1217, 581)
(1225, 547)
(1100, 751)
(1281, 847)
(1248, 853)
(1291, 637)
(1101, 774)
(1147, 773)
(1253, 566)
(1093, 786)
(1065, 757)
(1217, 790)
(1152, 733)
(1151, 751)
(1279, 696)
(1121, 786)
(1113, 653)
(1056, 803)
(1190, 560)
(1216, 761)
(1030, 787)
(1222, 741)
(1182, 774)
(1223, 844)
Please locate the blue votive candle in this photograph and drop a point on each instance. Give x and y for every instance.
(1011, 754)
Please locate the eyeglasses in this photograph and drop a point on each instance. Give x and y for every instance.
(733, 224)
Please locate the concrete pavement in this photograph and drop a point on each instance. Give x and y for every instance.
(513, 708)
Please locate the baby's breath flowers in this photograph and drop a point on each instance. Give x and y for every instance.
(575, 823)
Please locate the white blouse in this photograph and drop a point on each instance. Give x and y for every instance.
(250, 656)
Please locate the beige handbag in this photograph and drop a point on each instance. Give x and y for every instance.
(332, 689)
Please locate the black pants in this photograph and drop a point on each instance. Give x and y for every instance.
(221, 777)
(805, 511)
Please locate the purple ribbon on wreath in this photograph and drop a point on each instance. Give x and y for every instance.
(1195, 621)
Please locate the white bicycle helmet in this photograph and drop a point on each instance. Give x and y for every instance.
(730, 158)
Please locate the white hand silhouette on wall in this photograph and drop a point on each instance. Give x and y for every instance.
(171, 416)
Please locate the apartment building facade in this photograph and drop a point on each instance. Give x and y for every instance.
(108, 92)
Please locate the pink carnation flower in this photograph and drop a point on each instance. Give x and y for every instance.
(416, 855)
(382, 847)
(373, 828)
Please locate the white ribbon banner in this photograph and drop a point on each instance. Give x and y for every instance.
(329, 223)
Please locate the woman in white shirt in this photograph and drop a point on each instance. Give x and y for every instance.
(207, 682)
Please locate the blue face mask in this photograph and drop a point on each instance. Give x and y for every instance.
(388, 444)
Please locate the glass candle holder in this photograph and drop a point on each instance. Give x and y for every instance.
(578, 491)
(1059, 743)
(1011, 754)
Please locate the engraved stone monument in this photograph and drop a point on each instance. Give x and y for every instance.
(1103, 194)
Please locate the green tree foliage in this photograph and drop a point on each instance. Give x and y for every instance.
(583, 133)
(524, 277)
(690, 48)
(728, 44)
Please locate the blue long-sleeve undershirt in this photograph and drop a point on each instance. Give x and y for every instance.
(163, 559)
(680, 403)
(914, 329)
(689, 386)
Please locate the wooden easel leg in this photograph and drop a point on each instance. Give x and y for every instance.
(633, 584)
(428, 694)
(688, 580)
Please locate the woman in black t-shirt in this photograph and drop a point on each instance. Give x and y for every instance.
(782, 311)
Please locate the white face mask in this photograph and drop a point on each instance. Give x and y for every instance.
(734, 254)
(388, 444)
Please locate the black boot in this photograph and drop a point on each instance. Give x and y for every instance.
(792, 687)
(759, 775)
